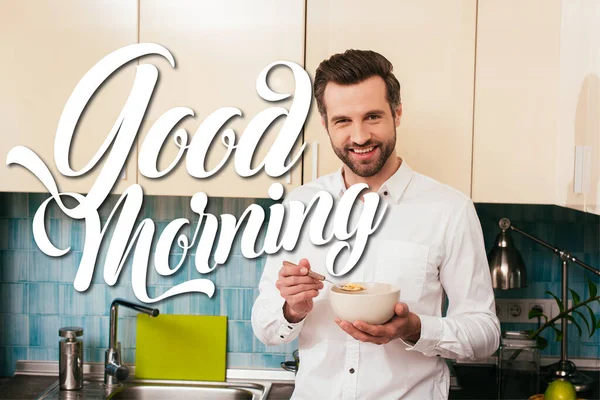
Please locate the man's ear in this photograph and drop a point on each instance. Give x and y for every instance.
(398, 114)
(323, 122)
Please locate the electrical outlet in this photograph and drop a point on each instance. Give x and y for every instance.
(499, 311)
(517, 310)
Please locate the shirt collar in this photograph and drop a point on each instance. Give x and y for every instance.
(393, 187)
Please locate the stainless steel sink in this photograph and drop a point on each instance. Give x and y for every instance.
(221, 391)
(158, 389)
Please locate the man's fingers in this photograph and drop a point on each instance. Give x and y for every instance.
(373, 330)
(360, 335)
(401, 310)
(287, 270)
(290, 281)
(298, 280)
(303, 296)
(295, 270)
(304, 263)
(292, 290)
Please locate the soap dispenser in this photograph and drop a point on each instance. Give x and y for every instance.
(71, 358)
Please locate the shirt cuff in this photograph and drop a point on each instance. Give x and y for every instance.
(431, 334)
(286, 328)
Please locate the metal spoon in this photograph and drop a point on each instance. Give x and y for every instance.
(320, 277)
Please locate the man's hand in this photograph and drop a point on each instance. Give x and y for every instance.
(404, 325)
(298, 290)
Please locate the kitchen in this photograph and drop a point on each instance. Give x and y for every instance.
(501, 102)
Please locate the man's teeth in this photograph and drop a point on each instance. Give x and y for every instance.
(362, 151)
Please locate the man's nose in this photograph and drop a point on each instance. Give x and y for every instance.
(360, 135)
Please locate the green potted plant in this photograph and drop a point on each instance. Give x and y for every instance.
(592, 323)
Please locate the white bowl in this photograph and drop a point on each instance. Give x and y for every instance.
(375, 305)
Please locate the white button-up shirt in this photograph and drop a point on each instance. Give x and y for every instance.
(429, 242)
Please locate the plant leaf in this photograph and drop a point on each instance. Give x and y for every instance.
(570, 318)
(542, 343)
(592, 286)
(598, 325)
(558, 301)
(584, 320)
(559, 334)
(536, 313)
(593, 318)
(575, 296)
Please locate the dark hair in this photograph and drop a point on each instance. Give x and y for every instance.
(355, 66)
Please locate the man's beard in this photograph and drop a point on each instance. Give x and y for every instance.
(367, 168)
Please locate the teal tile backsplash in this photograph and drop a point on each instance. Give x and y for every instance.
(575, 232)
(37, 295)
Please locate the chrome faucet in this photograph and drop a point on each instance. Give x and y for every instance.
(113, 370)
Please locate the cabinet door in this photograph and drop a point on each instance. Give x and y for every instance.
(575, 113)
(517, 102)
(220, 48)
(593, 106)
(432, 47)
(47, 48)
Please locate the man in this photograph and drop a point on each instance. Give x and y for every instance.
(429, 242)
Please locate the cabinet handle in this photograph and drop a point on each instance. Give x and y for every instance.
(315, 160)
(582, 168)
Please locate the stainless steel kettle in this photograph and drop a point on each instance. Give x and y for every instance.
(292, 366)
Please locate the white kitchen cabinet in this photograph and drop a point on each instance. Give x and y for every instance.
(47, 47)
(536, 101)
(432, 47)
(516, 102)
(219, 48)
(591, 16)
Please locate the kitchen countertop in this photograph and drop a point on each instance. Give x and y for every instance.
(22, 387)
(476, 381)
(25, 386)
(479, 382)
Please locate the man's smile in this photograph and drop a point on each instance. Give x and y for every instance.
(363, 150)
(363, 153)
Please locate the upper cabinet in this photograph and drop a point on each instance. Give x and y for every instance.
(220, 48)
(47, 48)
(591, 86)
(501, 99)
(536, 127)
(432, 47)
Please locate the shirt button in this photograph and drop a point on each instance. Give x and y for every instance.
(351, 370)
(290, 327)
(385, 193)
(281, 336)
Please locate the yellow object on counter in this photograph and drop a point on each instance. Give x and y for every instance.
(181, 347)
(560, 390)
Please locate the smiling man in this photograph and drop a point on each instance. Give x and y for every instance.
(429, 243)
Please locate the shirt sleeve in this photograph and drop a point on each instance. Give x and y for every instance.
(268, 321)
(471, 329)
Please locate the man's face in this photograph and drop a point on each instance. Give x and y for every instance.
(361, 127)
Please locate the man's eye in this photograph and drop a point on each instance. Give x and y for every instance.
(373, 117)
(341, 121)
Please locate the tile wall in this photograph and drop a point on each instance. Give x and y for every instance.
(37, 295)
(575, 232)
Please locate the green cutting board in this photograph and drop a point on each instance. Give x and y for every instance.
(181, 347)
